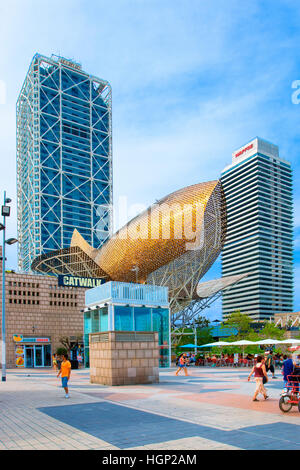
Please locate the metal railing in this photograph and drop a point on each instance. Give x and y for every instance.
(125, 292)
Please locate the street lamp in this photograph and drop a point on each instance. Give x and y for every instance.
(136, 270)
(11, 241)
(5, 211)
(194, 326)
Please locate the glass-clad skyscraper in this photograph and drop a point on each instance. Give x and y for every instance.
(258, 192)
(64, 158)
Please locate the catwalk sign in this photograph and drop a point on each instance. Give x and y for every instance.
(74, 281)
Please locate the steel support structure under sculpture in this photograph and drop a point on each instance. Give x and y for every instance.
(207, 293)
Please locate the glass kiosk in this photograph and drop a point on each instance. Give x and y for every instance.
(121, 306)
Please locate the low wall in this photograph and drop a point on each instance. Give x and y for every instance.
(124, 358)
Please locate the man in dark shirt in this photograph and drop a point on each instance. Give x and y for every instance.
(287, 368)
(270, 363)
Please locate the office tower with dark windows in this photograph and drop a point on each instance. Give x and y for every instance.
(64, 158)
(258, 192)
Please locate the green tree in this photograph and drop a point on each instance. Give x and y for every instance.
(204, 336)
(204, 330)
(240, 321)
(202, 322)
(269, 330)
(68, 344)
(186, 336)
(60, 351)
(65, 341)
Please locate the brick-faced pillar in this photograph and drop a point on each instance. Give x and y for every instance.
(124, 357)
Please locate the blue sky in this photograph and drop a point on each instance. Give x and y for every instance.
(192, 81)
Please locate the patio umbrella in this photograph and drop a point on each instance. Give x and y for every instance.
(294, 348)
(189, 346)
(290, 341)
(269, 341)
(217, 343)
(243, 343)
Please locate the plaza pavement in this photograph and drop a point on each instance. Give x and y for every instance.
(212, 409)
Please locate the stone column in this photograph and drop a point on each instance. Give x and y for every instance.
(124, 357)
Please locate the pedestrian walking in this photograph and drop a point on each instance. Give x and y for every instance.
(296, 360)
(270, 363)
(54, 362)
(259, 371)
(287, 368)
(65, 372)
(182, 363)
(79, 359)
(58, 360)
(193, 359)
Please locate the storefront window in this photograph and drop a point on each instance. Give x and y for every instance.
(36, 355)
(29, 356)
(38, 350)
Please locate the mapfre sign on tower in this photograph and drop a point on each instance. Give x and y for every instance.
(253, 147)
(246, 151)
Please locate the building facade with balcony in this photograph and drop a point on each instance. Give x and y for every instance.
(258, 192)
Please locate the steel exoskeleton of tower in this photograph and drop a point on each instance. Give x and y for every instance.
(64, 158)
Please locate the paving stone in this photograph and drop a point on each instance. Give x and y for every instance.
(211, 409)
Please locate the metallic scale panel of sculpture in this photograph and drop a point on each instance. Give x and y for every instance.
(173, 243)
